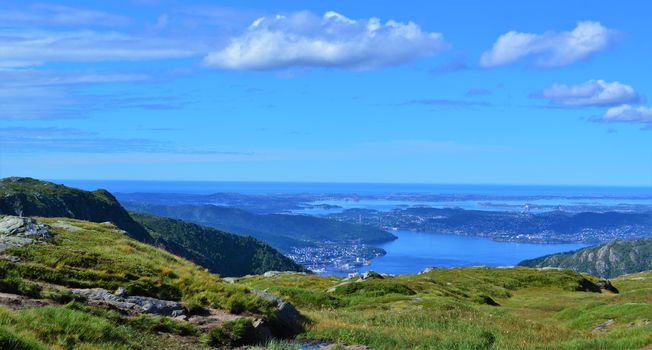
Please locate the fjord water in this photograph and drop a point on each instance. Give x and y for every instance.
(414, 251)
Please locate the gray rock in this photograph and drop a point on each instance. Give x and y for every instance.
(271, 273)
(426, 270)
(229, 279)
(603, 326)
(371, 274)
(286, 312)
(132, 304)
(18, 231)
(23, 227)
(66, 226)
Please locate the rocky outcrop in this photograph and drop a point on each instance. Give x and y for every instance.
(131, 304)
(30, 197)
(606, 285)
(18, 231)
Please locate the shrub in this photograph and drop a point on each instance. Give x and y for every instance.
(234, 333)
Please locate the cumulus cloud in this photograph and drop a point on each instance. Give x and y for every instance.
(590, 93)
(626, 114)
(550, 49)
(333, 40)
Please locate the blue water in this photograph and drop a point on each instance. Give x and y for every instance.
(414, 251)
(209, 187)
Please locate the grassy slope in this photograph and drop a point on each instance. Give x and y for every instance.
(228, 254)
(100, 255)
(445, 309)
(607, 260)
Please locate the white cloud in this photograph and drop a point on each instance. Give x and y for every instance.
(550, 49)
(333, 40)
(626, 114)
(591, 93)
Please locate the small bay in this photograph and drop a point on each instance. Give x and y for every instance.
(414, 251)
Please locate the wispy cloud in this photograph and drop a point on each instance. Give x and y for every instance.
(550, 49)
(50, 14)
(34, 47)
(590, 93)
(302, 39)
(56, 102)
(70, 140)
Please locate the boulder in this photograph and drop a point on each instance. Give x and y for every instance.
(16, 231)
(290, 318)
(606, 285)
(371, 275)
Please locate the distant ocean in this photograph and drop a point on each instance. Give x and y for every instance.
(209, 187)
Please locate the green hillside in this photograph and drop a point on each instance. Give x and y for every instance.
(606, 260)
(228, 254)
(31, 197)
(220, 252)
(472, 308)
(82, 255)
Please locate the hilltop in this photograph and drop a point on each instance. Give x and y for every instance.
(220, 252)
(30, 197)
(607, 260)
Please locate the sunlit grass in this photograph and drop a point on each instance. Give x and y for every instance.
(539, 309)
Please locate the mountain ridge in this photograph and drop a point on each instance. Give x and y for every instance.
(611, 259)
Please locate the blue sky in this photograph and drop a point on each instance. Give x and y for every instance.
(512, 92)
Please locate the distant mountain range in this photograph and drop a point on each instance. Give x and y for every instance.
(220, 252)
(280, 230)
(607, 260)
(547, 227)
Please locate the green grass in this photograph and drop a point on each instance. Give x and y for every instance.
(75, 326)
(447, 309)
(99, 255)
(460, 308)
